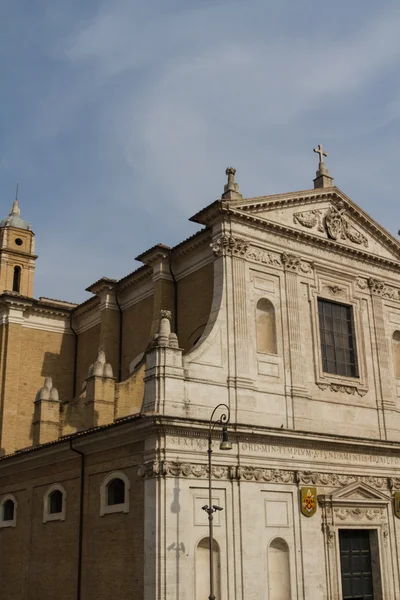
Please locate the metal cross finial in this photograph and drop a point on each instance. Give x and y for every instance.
(319, 150)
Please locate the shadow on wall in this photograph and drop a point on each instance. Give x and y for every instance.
(177, 547)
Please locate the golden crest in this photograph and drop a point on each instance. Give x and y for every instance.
(308, 501)
(397, 504)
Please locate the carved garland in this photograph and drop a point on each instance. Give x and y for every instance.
(200, 471)
(229, 245)
(335, 224)
(336, 387)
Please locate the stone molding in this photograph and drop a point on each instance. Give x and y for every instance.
(337, 387)
(334, 224)
(295, 264)
(379, 288)
(227, 244)
(336, 480)
(263, 256)
(309, 219)
(359, 514)
(158, 468)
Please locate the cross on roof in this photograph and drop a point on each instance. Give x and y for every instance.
(319, 150)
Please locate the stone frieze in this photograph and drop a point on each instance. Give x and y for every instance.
(260, 474)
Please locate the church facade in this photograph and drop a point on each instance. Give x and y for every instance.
(285, 309)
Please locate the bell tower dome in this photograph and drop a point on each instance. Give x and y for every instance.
(17, 254)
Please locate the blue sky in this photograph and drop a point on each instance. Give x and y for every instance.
(119, 117)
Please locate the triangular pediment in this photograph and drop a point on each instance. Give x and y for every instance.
(358, 491)
(327, 214)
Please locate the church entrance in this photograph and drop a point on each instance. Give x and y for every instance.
(356, 565)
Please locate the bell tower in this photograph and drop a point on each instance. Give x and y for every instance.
(17, 254)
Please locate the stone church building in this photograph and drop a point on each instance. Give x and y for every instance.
(285, 308)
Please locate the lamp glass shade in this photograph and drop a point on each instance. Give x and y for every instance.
(225, 444)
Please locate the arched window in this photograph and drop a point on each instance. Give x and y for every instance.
(8, 511)
(54, 503)
(278, 570)
(396, 352)
(114, 493)
(266, 327)
(202, 570)
(17, 279)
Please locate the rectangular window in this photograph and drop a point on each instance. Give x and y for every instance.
(338, 346)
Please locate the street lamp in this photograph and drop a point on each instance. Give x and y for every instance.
(210, 509)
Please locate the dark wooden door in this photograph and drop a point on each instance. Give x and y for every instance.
(355, 562)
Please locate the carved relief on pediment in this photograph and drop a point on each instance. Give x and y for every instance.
(334, 223)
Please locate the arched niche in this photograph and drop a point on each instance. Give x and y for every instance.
(278, 570)
(203, 570)
(396, 352)
(266, 327)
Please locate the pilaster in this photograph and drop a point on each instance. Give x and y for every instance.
(385, 393)
(291, 265)
(158, 258)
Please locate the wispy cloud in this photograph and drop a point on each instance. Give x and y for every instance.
(135, 110)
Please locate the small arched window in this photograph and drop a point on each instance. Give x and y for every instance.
(114, 493)
(54, 503)
(266, 327)
(396, 352)
(17, 279)
(278, 570)
(8, 511)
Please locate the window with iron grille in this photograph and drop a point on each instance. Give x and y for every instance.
(338, 346)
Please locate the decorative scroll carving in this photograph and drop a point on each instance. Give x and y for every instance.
(394, 483)
(309, 219)
(151, 469)
(329, 533)
(246, 473)
(335, 224)
(362, 283)
(270, 475)
(336, 387)
(262, 256)
(334, 290)
(380, 288)
(385, 533)
(295, 263)
(359, 514)
(227, 244)
(165, 314)
(338, 227)
(335, 480)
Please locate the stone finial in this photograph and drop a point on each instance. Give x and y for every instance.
(164, 338)
(101, 368)
(322, 179)
(231, 189)
(48, 392)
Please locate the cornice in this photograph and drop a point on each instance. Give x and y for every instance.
(313, 240)
(309, 196)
